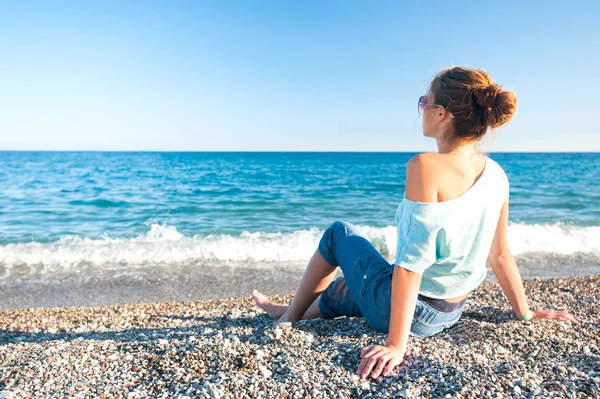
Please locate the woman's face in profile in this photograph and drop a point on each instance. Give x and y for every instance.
(436, 119)
(428, 114)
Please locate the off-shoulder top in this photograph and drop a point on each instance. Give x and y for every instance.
(448, 242)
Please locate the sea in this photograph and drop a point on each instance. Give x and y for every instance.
(68, 215)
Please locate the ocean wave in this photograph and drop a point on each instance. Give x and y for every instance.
(556, 238)
(100, 203)
(163, 244)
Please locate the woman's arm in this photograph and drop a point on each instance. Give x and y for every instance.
(405, 289)
(505, 268)
(508, 276)
(405, 284)
(382, 359)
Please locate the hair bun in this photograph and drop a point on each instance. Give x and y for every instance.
(493, 106)
(487, 96)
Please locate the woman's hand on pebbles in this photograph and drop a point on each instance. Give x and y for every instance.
(378, 358)
(559, 315)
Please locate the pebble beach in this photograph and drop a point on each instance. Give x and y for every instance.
(229, 348)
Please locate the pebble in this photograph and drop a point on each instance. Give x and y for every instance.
(265, 372)
(285, 324)
(586, 350)
(480, 358)
(278, 332)
(234, 338)
(163, 342)
(215, 394)
(6, 394)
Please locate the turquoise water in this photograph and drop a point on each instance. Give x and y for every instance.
(64, 212)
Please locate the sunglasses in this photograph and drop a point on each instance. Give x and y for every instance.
(423, 104)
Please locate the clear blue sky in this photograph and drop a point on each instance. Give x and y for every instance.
(287, 75)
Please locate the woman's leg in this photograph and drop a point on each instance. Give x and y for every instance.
(276, 310)
(317, 277)
(365, 289)
(340, 245)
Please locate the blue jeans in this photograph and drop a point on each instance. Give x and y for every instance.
(365, 289)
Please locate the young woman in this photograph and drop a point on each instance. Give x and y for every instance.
(453, 218)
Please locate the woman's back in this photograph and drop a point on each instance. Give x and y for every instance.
(449, 241)
(448, 176)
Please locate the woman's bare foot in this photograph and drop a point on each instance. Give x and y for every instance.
(273, 309)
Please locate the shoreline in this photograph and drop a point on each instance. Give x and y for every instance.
(202, 282)
(227, 348)
(211, 284)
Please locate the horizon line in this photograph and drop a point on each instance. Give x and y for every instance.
(295, 152)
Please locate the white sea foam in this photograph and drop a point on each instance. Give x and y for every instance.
(555, 238)
(163, 244)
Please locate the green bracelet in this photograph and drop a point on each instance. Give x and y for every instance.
(527, 316)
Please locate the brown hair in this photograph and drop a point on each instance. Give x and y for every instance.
(474, 100)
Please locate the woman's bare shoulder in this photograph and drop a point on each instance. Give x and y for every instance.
(423, 160)
(421, 182)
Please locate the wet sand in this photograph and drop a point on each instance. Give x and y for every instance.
(195, 282)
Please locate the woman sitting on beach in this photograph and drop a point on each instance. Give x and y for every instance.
(453, 218)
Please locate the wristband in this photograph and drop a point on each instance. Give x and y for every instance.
(527, 316)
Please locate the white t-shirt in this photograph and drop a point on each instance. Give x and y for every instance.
(449, 242)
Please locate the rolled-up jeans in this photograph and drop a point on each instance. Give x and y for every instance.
(365, 289)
